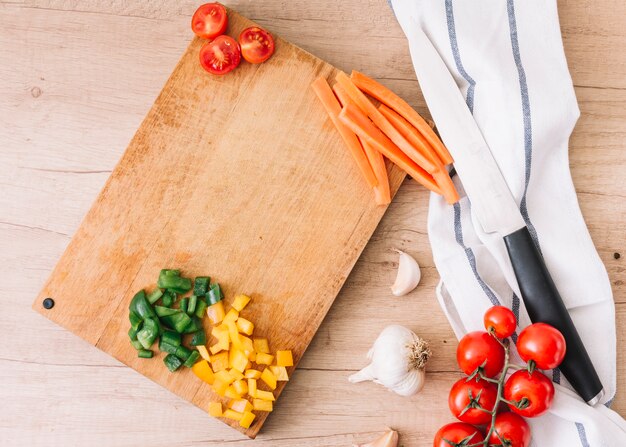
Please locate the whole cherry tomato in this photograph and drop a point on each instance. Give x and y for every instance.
(468, 396)
(479, 349)
(500, 320)
(533, 391)
(455, 433)
(510, 428)
(543, 344)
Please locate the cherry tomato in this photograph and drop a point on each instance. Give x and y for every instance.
(542, 343)
(535, 390)
(483, 395)
(500, 320)
(257, 45)
(220, 55)
(479, 349)
(455, 433)
(209, 21)
(513, 429)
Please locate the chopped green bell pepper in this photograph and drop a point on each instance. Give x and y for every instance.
(178, 321)
(168, 280)
(192, 359)
(132, 333)
(166, 347)
(201, 308)
(136, 344)
(182, 353)
(169, 298)
(194, 325)
(165, 311)
(193, 302)
(140, 306)
(184, 304)
(199, 338)
(148, 333)
(135, 320)
(145, 354)
(201, 285)
(214, 294)
(172, 362)
(171, 337)
(154, 296)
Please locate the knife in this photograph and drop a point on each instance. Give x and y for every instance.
(496, 209)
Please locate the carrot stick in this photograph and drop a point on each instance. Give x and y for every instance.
(389, 98)
(382, 193)
(330, 103)
(383, 123)
(356, 120)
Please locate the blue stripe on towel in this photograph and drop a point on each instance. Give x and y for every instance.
(469, 99)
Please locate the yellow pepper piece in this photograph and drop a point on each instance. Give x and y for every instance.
(203, 371)
(280, 372)
(219, 361)
(233, 333)
(261, 345)
(265, 395)
(252, 387)
(240, 405)
(251, 358)
(245, 326)
(231, 316)
(215, 409)
(224, 376)
(269, 378)
(220, 387)
(230, 392)
(284, 358)
(236, 375)
(240, 302)
(246, 419)
(203, 352)
(238, 360)
(252, 374)
(264, 359)
(215, 312)
(241, 386)
(262, 405)
(231, 414)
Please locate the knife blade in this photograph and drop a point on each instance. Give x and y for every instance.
(496, 209)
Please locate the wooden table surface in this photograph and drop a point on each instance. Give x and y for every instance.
(77, 78)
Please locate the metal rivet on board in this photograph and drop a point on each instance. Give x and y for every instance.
(48, 303)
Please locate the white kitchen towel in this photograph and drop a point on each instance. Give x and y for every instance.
(507, 59)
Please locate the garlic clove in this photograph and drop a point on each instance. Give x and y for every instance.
(363, 375)
(389, 439)
(408, 276)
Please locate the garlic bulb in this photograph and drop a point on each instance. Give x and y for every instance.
(397, 358)
(389, 439)
(408, 276)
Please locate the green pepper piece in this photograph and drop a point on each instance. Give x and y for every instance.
(169, 298)
(165, 311)
(172, 362)
(214, 295)
(145, 354)
(174, 283)
(201, 285)
(171, 337)
(148, 333)
(166, 347)
(155, 295)
(179, 321)
(140, 306)
(194, 325)
(193, 302)
(192, 359)
(136, 344)
(183, 353)
(199, 338)
(201, 308)
(135, 320)
(184, 304)
(132, 333)
(170, 272)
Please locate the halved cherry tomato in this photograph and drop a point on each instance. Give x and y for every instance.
(542, 343)
(500, 320)
(468, 396)
(480, 350)
(257, 45)
(510, 428)
(534, 390)
(209, 21)
(220, 55)
(457, 434)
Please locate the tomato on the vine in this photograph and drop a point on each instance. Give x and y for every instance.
(543, 344)
(500, 320)
(480, 350)
(534, 393)
(468, 396)
(220, 55)
(209, 21)
(457, 434)
(510, 428)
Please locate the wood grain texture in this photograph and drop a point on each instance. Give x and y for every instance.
(77, 79)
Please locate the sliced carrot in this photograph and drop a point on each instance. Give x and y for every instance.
(448, 190)
(382, 192)
(383, 123)
(356, 120)
(330, 103)
(389, 98)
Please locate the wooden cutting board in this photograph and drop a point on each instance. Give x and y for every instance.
(240, 177)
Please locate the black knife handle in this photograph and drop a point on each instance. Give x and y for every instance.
(544, 304)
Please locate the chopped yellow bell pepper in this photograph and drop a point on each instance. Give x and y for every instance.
(265, 395)
(280, 372)
(203, 371)
(241, 386)
(219, 361)
(231, 316)
(284, 358)
(262, 405)
(232, 414)
(251, 358)
(240, 302)
(215, 312)
(224, 376)
(233, 333)
(264, 359)
(261, 345)
(246, 419)
(236, 375)
(240, 405)
(220, 387)
(269, 378)
(252, 374)
(230, 392)
(238, 360)
(203, 352)
(252, 387)
(222, 339)
(215, 409)
(245, 326)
